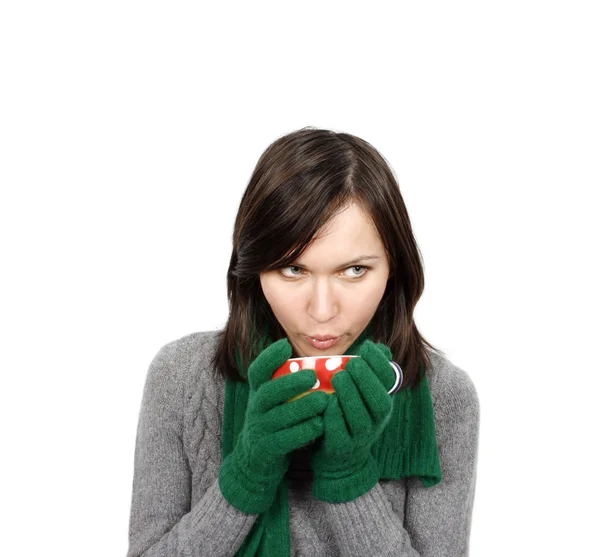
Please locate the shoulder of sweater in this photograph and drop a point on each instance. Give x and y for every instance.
(451, 387)
(189, 346)
(179, 360)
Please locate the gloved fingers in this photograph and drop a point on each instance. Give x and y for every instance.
(266, 363)
(294, 412)
(387, 352)
(378, 361)
(337, 438)
(375, 397)
(294, 437)
(281, 389)
(352, 405)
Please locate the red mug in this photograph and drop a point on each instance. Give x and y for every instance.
(325, 367)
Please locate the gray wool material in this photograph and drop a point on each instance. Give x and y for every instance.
(177, 508)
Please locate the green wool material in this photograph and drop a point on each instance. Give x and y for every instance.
(406, 446)
(273, 427)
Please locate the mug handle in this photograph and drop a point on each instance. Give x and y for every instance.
(399, 378)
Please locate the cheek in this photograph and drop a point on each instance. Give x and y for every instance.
(280, 299)
(269, 288)
(367, 303)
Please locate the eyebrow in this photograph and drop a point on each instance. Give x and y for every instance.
(354, 261)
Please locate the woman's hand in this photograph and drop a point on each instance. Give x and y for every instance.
(273, 428)
(355, 416)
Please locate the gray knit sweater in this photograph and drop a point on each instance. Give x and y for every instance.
(177, 509)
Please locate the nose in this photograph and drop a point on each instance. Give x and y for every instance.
(323, 303)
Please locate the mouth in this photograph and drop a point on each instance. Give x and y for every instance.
(323, 342)
(323, 337)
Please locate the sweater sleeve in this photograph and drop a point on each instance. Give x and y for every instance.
(162, 522)
(437, 519)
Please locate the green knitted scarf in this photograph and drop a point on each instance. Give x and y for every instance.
(407, 447)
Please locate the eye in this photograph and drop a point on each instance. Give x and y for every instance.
(292, 275)
(296, 271)
(359, 267)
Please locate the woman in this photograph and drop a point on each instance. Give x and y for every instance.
(227, 464)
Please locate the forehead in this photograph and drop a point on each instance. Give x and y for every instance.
(347, 235)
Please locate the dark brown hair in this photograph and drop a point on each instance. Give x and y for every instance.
(301, 181)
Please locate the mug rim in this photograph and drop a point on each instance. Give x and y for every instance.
(331, 356)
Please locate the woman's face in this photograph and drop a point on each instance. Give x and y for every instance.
(334, 289)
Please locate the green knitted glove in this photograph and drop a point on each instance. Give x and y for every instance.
(357, 413)
(273, 427)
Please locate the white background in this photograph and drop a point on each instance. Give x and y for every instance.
(128, 133)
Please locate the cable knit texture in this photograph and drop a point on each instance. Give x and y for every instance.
(178, 510)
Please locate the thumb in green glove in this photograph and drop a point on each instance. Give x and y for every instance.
(273, 427)
(356, 414)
